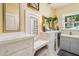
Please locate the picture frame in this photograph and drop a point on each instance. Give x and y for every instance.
(33, 5)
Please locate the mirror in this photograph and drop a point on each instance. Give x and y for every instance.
(11, 12)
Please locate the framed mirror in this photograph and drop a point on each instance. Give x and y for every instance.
(11, 17)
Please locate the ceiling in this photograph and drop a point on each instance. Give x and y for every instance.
(58, 5)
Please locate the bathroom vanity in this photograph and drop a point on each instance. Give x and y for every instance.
(70, 43)
(16, 44)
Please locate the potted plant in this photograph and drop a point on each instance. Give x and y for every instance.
(48, 20)
(52, 21)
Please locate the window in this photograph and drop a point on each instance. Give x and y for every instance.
(72, 21)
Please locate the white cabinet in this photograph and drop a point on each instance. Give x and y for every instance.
(70, 43)
(65, 43)
(75, 45)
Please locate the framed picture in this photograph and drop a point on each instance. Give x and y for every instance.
(34, 5)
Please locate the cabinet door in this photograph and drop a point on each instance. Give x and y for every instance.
(65, 43)
(75, 45)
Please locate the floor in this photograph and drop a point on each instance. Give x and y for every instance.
(42, 52)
